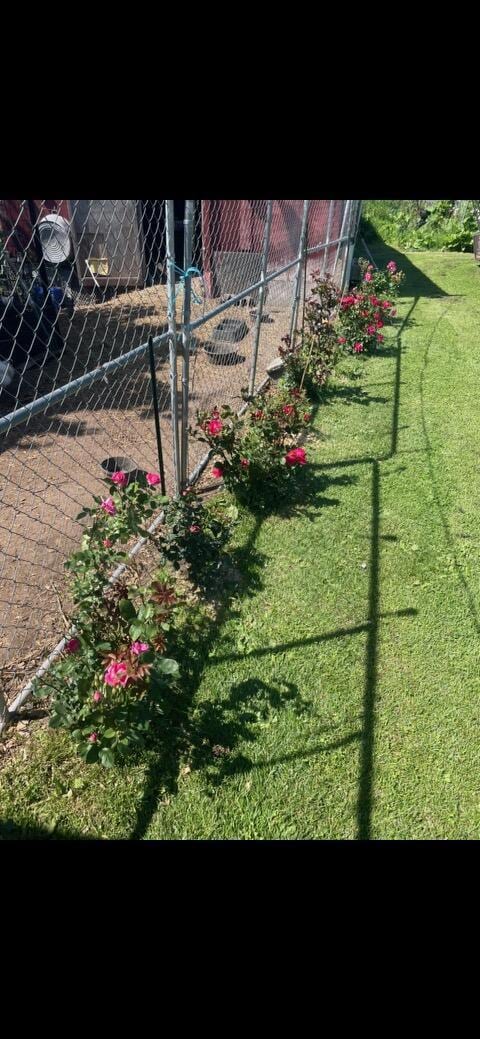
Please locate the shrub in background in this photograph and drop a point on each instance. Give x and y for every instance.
(445, 224)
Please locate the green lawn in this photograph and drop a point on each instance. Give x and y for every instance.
(339, 698)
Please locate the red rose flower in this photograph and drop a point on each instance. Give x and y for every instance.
(297, 456)
(214, 427)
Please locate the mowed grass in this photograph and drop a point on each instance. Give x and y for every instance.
(339, 697)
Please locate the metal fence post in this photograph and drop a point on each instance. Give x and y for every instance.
(186, 334)
(329, 232)
(354, 223)
(302, 256)
(261, 296)
(342, 234)
(172, 331)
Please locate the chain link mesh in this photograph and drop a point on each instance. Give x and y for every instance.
(82, 286)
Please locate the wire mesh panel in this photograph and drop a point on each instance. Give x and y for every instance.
(84, 283)
(246, 278)
(232, 254)
(82, 286)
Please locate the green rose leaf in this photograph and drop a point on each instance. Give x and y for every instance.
(166, 666)
(106, 757)
(126, 609)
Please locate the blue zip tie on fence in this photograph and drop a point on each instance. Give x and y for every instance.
(188, 274)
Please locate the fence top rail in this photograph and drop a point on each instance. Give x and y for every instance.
(15, 418)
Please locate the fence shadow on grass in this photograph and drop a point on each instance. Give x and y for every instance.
(416, 284)
(366, 737)
(207, 734)
(182, 728)
(204, 735)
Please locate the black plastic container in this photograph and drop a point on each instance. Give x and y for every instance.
(120, 463)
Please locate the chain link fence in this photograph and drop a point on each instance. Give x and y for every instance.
(84, 284)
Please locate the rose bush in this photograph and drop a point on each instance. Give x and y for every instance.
(113, 675)
(126, 510)
(115, 671)
(310, 359)
(196, 534)
(250, 451)
(385, 283)
(364, 312)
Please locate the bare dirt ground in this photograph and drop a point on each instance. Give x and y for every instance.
(50, 466)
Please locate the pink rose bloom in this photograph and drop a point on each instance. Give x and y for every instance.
(368, 276)
(217, 472)
(297, 456)
(371, 330)
(391, 266)
(245, 462)
(97, 696)
(370, 267)
(152, 479)
(139, 647)
(120, 478)
(116, 673)
(108, 505)
(288, 409)
(214, 427)
(358, 348)
(72, 646)
(107, 543)
(342, 340)
(386, 304)
(194, 529)
(379, 323)
(380, 337)
(93, 738)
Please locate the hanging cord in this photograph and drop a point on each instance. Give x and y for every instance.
(199, 300)
(190, 271)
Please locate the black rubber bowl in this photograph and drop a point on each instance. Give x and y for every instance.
(223, 353)
(120, 463)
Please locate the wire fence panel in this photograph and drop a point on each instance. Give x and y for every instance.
(236, 242)
(84, 283)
